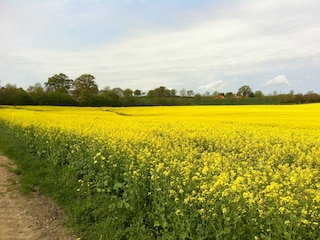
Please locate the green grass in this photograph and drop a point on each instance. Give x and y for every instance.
(29, 168)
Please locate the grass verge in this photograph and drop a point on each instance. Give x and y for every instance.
(35, 173)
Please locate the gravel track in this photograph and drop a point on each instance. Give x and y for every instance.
(27, 217)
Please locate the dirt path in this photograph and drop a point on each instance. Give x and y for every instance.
(23, 217)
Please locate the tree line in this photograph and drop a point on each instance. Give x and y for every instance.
(60, 90)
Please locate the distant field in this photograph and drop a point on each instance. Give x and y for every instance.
(195, 172)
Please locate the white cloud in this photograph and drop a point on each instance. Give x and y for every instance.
(278, 80)
(242, 41)
(213, 86)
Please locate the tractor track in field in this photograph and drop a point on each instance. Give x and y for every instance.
(27, 217)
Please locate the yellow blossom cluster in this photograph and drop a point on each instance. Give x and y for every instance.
(254, 168)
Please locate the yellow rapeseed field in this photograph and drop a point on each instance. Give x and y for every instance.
(196, 172)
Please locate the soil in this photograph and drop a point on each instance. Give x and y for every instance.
(33, 217)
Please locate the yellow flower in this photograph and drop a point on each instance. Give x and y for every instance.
(282, 209)
(224, 210)
(201, 211)
(197, 155)
(179, 213)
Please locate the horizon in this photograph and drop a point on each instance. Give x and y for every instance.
(178, 91)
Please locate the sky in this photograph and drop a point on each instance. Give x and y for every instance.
(199, 45)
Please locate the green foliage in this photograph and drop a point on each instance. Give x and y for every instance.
(11, 95)
(62, 91)
(84, 86)
(59, 83)
(161, 92)
(245, 91)
(57, 99)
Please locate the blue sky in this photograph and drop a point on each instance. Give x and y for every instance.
(201, 45)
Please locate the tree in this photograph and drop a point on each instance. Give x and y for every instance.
(206, 94)
(85, 86)
(183, 92)
(118, 91)
(190, 93)
(258, 93)
(244, 91)
(59, 83)
(36, 88)
(137, 92)
(160, 92)
(110, 97)
(128, 99)
(215, 93)
(173, 92)
(127, 93)
(229, 95)
(37, 93)
(198, 97)
(11, 95)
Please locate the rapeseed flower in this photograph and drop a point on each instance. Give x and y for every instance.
(208, 164)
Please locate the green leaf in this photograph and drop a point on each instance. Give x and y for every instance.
(117, 186)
